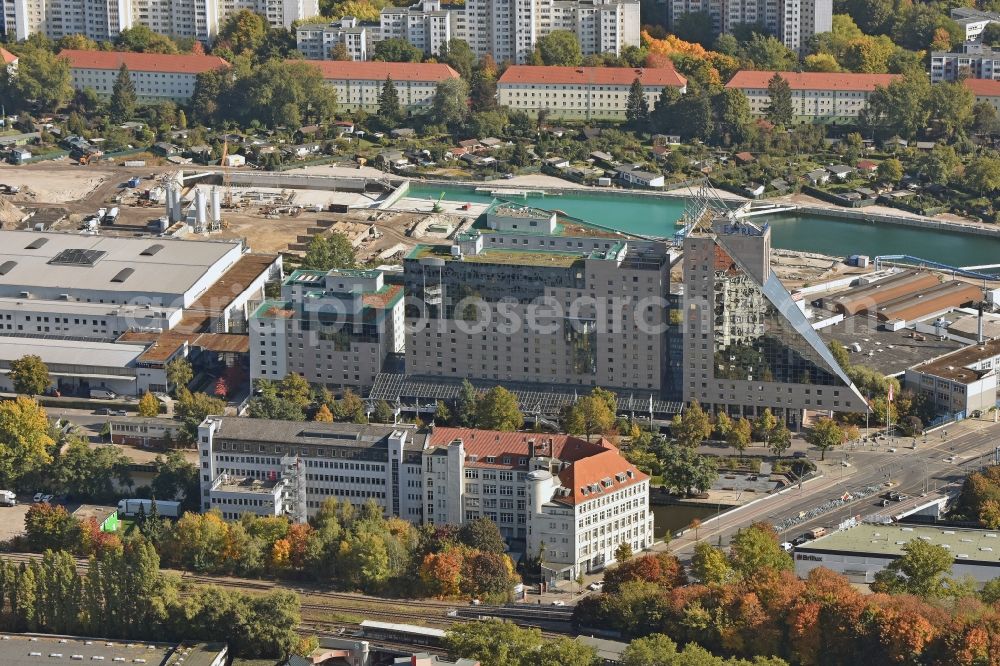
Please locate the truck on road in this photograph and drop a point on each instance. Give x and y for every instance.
(8, 498)
(130, 507)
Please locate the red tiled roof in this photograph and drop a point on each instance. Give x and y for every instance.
(867, 165)
(142, 62)
(378, 71)
(983, 87)
(494, 444)
(6, 56)
(653, 77)
(812, 80)
(585, 478)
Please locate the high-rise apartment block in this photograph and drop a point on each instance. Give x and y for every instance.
(794, 22)
(512, 304)
(334, 328)
(747, 345)
(505, 29)
(972, 60)
(103, 20)
(317, 41)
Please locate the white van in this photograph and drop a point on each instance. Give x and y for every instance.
(102, 394)
(7, 498)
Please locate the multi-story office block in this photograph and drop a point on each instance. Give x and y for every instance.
(290, 468)
(335, 329)
(582, 92)
(156, 76)
(425, 25)
(972, 60)
(359, 84)
(318, 41)
(747, 345)
(514, 305)
(580, 499)
(818, 97)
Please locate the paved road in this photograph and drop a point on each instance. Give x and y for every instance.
(907, 470)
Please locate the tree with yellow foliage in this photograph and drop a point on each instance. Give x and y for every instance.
(149, 406)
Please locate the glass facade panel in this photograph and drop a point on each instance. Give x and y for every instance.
(753, 340)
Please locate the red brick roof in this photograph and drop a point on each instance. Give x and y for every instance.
(142, 62)
(596, 476)
(378, 71)
(983, 87)
(497, 445)
(651, 77)
(812, 80)
(6, 56)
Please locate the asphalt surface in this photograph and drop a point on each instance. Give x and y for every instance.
(906, 470)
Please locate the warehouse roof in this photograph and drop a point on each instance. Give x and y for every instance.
(57, 351)
(45, 260)
(142, 62)
(654, 77)
(379, 71)
(888, 541)
(955, 366)
(812, 80)
(31, 649)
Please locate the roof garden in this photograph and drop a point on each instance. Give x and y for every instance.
(524, 257)
(274, 310)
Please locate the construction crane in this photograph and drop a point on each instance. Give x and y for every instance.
(227, 197)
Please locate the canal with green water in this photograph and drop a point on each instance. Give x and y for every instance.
(657, 216)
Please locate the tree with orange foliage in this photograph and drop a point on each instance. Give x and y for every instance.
(661, 568)
(441, 573)
(281, 552)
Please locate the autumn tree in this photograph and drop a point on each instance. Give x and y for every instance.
(498, 409)
(149, 406)
(588, 416)
(923, 570)
(692, 426)
(179, 374)
(824, 435)
(739, 435)
(323, 415)
(756, 549)
(29, 375)
(24, 439)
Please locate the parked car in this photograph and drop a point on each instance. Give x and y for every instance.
(596, 586)
(558, 602)
(38, 497)
(787, 547)
(47, 499)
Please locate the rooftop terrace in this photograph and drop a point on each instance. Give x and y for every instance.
(494, 256)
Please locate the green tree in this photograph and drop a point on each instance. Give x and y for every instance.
(780, 110)
(483, 90)
(695, 27)
(890, 171)
(350, 408)
(29, 375)
(735, 119)
(821, 62)
(497, 409)
(450, 105)
(824, 435)
(389, 110)
(141, 39)
(383, 413)
(922, 570)
(466, 405)
(739, 435)
(442, 414)
(396, 49)
(623, 552)
(560, 48)
(590, 416)
(176, 479)
(755, 550)
(243, 31)
(781, 439)
(636, 106)
(43, 78)
(24, 439)
(692, 426)
(764, 426)
(192, 408)
(460, 56)
(951, 106)
(149, 406)
(902, 107)
(768, 53)
(710, 565)
(326, 252)
(179, 374)
(295, 389)
(684, 470)
(123, 98)
(983, 174)
(482, 534)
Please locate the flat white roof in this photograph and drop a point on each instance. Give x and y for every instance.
(84, 308)
(153, 265)
(71, 352)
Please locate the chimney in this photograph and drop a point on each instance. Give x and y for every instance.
(531, 448)
(979, 329)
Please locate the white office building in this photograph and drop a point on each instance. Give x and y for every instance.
(973, 21)
(317, 41)
(155, 76)
(581, 499)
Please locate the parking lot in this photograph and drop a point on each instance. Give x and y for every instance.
(12, 518)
